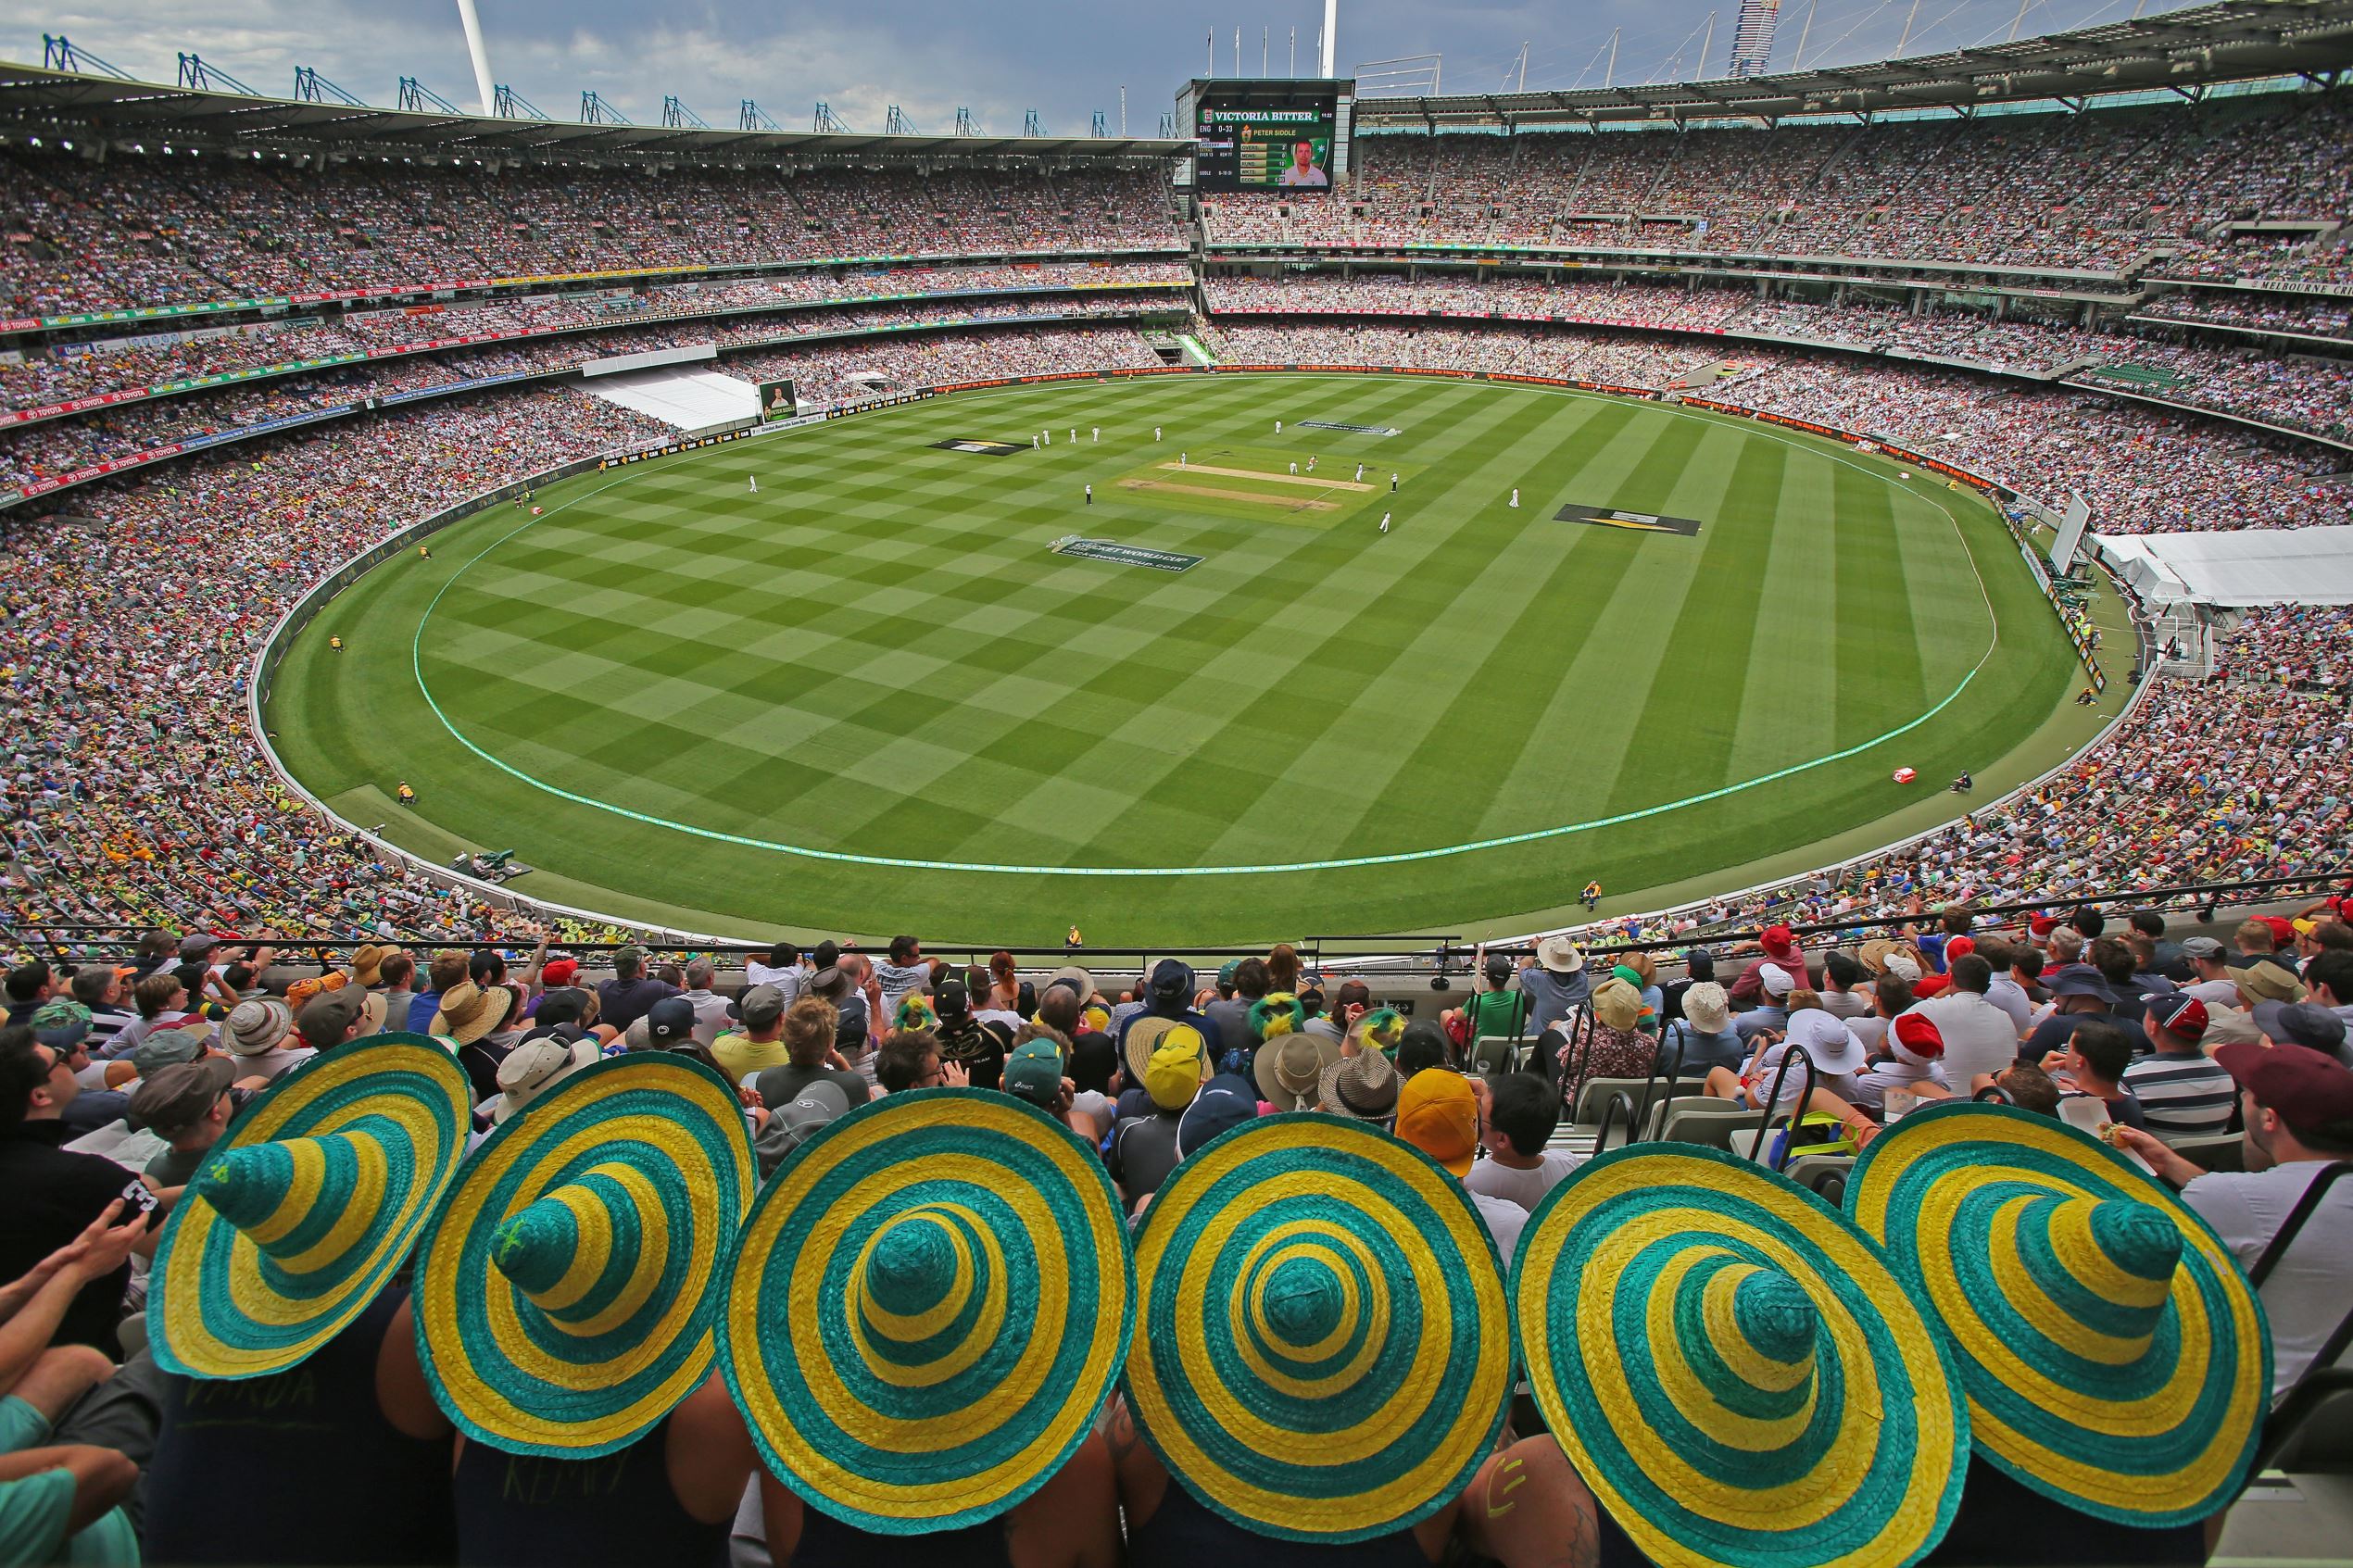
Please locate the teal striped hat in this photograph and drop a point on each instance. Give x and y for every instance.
(1732, 1367)
(567, 1294)
(2116, 1359)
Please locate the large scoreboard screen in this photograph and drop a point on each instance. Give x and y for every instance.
(1261, 135)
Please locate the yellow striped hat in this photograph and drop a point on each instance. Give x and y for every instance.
(567, 1293)
(932, 1302)
(2114, 1355)
(1734, 1368)
(298, 1216)
(1326, 1347)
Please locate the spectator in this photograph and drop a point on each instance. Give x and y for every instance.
(1437, 1113)
(53, 1195)
(189, 1105)
(760, 1044)
(1143, 1148)
(810, 1030)
(2181, 1091)
(1522, 1113)
(624, 999)
(2092, 1067)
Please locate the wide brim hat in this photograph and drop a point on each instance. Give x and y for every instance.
(931, 1304)
(306, 1207)
(1733, 1367)
(484, 1011)
(567, 1295)
(1289, 1070)
(1559, 955)
(1143, 1035)
(2114, 1355)
(1325, 1351)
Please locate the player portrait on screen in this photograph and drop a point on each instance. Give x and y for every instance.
(1303, 169)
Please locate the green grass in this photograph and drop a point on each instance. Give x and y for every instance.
(877, 656)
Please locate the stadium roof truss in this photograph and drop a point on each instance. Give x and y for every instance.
(2183, 51)
(39, 102)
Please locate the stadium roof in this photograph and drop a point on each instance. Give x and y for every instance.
(2185, 51)
(40, 102)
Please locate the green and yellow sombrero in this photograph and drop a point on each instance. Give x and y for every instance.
(932, 1302)
(567, 1293)
(306, 1206)
(1733, 1367)
(2114, 1355)
(1326, 1349)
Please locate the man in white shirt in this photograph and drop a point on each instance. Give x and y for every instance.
(2213, 985)
(710, 1010)
(781, 969)
(1522, 1112)
(2297, 1107)
(1980, 1038)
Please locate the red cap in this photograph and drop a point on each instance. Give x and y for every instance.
(1776, 939)
(1918, 1036)
(1960, 948)
(558, 972)
(2305, 1089)
(2043, 925)
(1928, 986)
(2178, 1013)
(2282, 930)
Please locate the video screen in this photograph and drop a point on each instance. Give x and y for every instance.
(1264, 147)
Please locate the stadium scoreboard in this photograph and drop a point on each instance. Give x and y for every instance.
(1268, 134)
(777, 400)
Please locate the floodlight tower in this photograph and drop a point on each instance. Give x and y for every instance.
(1331, 34)
(480, 56)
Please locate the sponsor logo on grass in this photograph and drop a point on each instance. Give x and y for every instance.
(1125, 554)
(1349, 430)
(986, 448)
(1633, 522)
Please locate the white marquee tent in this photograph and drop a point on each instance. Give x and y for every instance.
(2270, 566)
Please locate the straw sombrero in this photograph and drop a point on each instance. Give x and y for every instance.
(2114, 1355)
(298, 1216)
(1326, 1348)
(567, 1293)
(932, 1302)
(1733, 1367)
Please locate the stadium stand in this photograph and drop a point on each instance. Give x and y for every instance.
(201, 957)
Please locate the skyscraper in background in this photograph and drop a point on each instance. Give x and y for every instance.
(1753, 39)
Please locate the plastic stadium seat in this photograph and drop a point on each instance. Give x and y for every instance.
(2211, 1151)
(1702, 1118)
(1503, 1053)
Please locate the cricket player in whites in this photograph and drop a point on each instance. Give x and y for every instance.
(1384, 523)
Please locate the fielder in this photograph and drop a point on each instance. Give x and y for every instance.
(1384, 523)
(755, 483)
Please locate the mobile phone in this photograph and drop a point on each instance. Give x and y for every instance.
(139, 1196)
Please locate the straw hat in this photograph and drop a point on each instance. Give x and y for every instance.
(933, 1299)
(298, 1216)
(1362, 1086)
(2114, 1355)
(469, 1011)
(1324, 1353)
(567, 1293)
(1289, 1070)
(1733, 1367)
(1142, 1037)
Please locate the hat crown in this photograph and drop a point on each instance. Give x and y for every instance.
(277, 1194)
(1773, 1313)
(580, 1251)
(1304, 1303)
(2110, 1260)
(911, 1264)
(1751, 1336)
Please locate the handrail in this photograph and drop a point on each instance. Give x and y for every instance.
(1674, 1077)
(1993, 1094)
(1791, 1052)
(2315, 1388)
(1619, 1099)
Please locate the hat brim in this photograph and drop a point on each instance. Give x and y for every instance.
(1869, 1470)
(2162, 1440)
(1384, 1418)
(1144, 1032)
(912, 1425)
(1283, 1096)
(219, 1307)
(506, 1373)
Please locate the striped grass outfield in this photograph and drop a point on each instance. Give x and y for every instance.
(664, 684)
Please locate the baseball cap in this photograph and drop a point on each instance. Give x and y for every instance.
(953, 999)
(1173, 1074)
(2301, 1023)
(197, 943)
(1498, 969)
(1903, 966)
(2205, 948)
(1960, 948)
(669, 1020)
(1034, 1073)
(176, 1096)
(791, 1125)
(322, 1022)
(758, 1008)
(2282, 930)
(2043, 925)
(1437, 1113)
(1172, 978)
(1225, 1102)
(1775, 980)
(1699, 963)
(2179, 1013)
(2308, 1091)
(165, 1046)
(558, 973)
(61, 1023)
(1779, 941)
(1225, 971)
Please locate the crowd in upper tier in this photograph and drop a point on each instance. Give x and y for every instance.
(2115, 190)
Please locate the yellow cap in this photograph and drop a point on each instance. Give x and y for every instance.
(1179, 1066)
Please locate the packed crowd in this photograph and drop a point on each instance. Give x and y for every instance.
(2142, 472)
(2299, 393)
(2267, 312)
(791, 1207)
(2108, 190)
(96, 366)
(41, 451)
(143, 230)
(2290, 646)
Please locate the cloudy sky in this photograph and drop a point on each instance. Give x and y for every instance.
(1064, 59)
